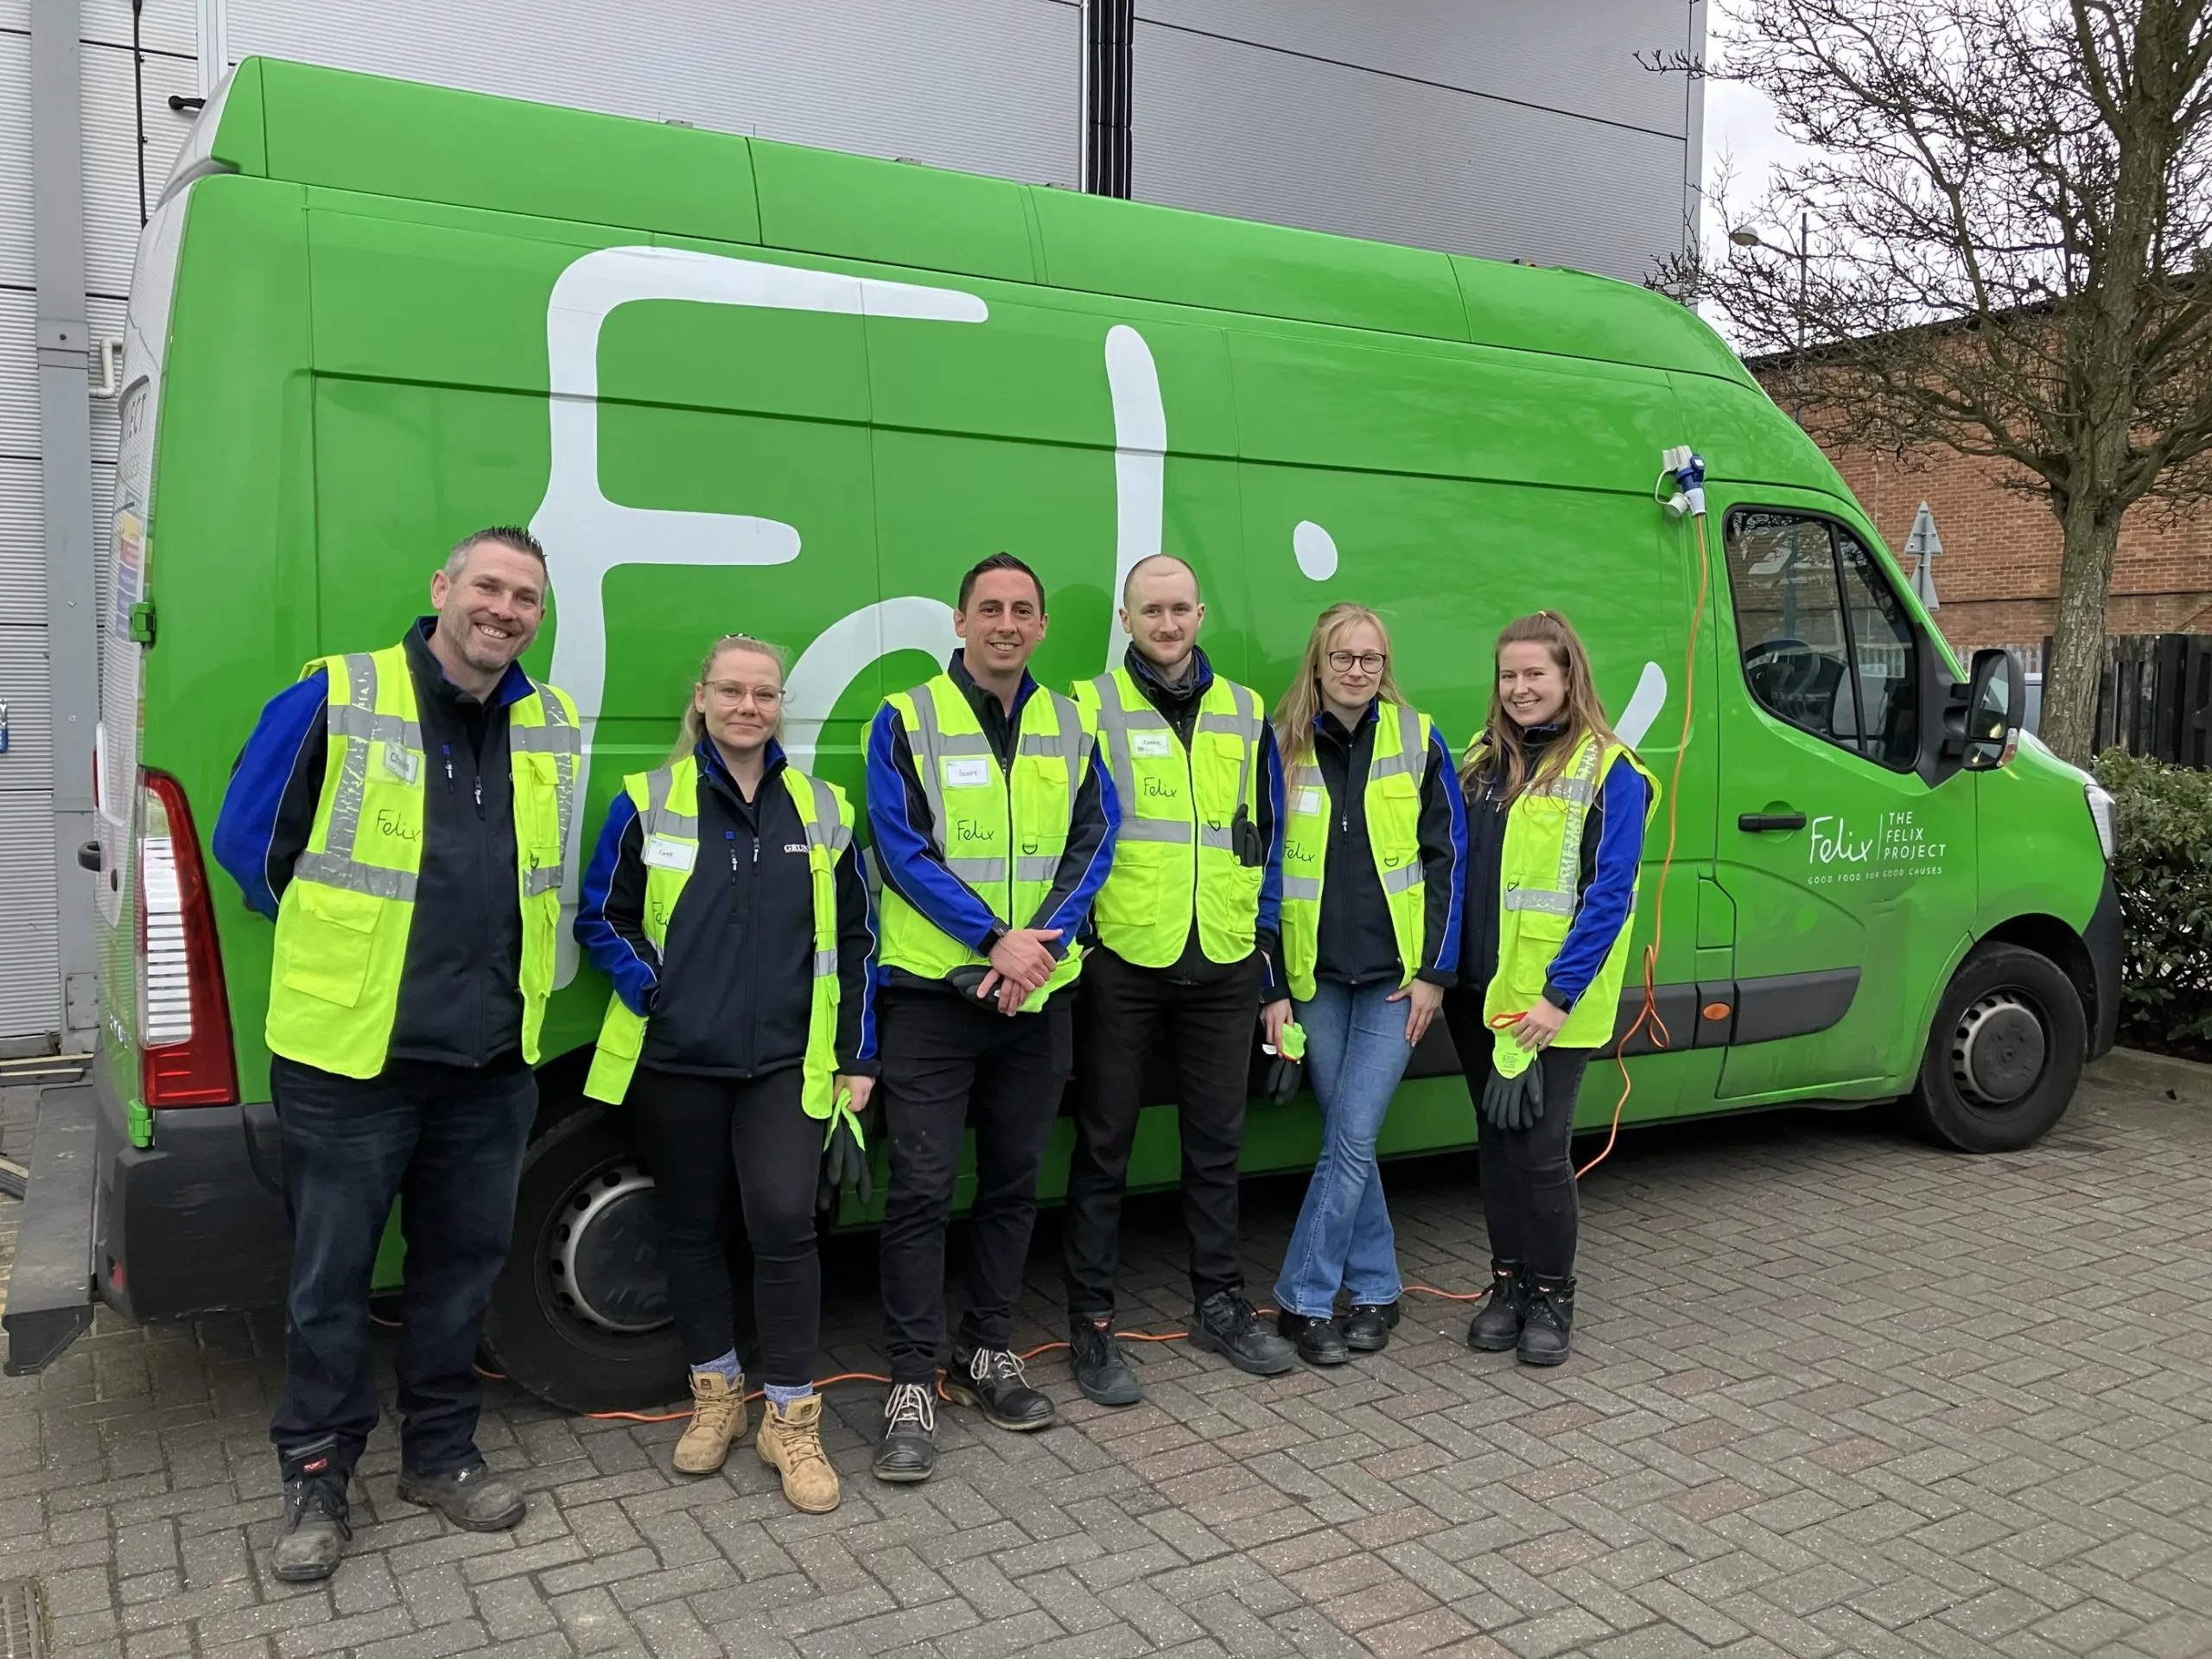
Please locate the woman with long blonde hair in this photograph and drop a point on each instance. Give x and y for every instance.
(725, 903)
(1556, 806)
(1374, 844)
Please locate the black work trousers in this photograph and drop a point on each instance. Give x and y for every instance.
(446, 1141)
(950, 1062)
(717, 1147)
(1124, 1015)
(1528, 1175)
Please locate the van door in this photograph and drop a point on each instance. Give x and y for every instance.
(1838, 856)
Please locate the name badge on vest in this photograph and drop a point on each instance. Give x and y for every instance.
(662, 854)
(1308, 802)
(1150, 746)
(401, 762)
(967, 772)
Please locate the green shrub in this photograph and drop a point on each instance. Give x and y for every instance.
(2162, 867)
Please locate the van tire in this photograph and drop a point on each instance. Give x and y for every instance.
(2011, 1022)
(533, 1339)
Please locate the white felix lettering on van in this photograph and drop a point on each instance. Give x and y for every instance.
(591, 536)
(1833, 841)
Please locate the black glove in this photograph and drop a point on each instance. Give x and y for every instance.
(844, 1158)
(1281, 1078)
(1515, 1103)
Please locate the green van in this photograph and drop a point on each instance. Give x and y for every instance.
(734, 384)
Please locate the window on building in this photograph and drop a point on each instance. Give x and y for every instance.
(1827, 645)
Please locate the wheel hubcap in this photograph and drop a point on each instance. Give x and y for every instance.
(1998, 1054)
(604, 1257)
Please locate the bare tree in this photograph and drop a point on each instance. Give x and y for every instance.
(2015, 202)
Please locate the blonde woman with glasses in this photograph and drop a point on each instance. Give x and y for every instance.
(725, 903)
(1374, 839)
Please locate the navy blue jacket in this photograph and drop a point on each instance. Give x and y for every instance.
(899, 823)
(1357, 944)
(1612, 847)
(729, 994)
(461, 990)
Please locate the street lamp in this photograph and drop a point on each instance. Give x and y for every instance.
(1747, 237)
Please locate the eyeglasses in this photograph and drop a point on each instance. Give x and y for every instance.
(728, 692)
(1367, 662)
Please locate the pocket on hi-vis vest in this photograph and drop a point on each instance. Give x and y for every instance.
(325, 951)
(662, 854)
(967, 771)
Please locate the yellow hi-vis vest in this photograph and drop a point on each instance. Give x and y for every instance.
(1540, 876)
(1175, 854)
(342, 926)
(1393, 801)
(1002, 834)
(667, 813)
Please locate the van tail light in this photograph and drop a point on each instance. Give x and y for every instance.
(184, 1015)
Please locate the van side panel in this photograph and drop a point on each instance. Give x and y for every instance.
(232, 574)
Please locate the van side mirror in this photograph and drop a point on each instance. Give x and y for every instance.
(1982, 725)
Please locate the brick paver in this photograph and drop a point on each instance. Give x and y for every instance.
(1835, 1394)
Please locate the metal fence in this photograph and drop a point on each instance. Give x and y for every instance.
(2154, 695)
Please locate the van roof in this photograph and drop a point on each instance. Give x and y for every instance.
(396, 138)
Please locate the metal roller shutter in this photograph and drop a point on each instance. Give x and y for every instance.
(988, 85)
(1229, 127)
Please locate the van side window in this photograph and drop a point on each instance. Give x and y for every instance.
(1825, 642)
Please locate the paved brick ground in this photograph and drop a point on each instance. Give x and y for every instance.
(1835, 1394)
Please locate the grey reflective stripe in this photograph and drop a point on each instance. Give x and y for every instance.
(1219, 839)
(1543, 900)
(975, 870)
(1403, 878)
(346, 720)
(661, 819)
(1409, 757)
(331, 870)
(1583, 787)
(565, 743)
(1116, 719)
(1308, 887)
(928, 743)
(1175, 831)
(1073, 741)
(1572, 790)
(1036, 866)
(828, 829)
(551, 739)
(825, 964)
(541, 877)
(345, 824)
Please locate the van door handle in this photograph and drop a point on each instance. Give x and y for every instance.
(1758, 822)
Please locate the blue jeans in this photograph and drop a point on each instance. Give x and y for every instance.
(448, 1141)
(1356, 1051)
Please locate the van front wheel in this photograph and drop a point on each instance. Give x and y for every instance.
(579, 1315)
(2005, 1054)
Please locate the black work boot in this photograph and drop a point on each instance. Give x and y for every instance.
(907, 1451)
(1367, 1327)
(992, 1380)
(1497, 1324)
(1320, 1342)
(1550, 1317)
(1225, 1324)
(314, 1531)
(473, 1498)
(1101, 1371)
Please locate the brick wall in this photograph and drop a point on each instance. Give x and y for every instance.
(1997, 578)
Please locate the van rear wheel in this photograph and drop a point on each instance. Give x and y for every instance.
(2005, 1055)
(579, 1315)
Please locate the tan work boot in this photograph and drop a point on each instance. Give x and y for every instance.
(717, 1423)
(790, 1442)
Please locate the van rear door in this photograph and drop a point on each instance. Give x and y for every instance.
(1851, 877)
